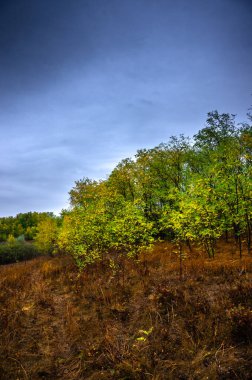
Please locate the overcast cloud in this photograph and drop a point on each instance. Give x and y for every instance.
(86, 83)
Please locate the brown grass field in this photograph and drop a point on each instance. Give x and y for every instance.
(148, 323)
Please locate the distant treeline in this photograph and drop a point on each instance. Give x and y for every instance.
(22, 226)
(17, 235)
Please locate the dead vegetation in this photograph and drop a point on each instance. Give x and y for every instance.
(59, 324)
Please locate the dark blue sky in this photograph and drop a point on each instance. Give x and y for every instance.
(85, 83)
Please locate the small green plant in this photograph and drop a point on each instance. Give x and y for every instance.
(144, 334)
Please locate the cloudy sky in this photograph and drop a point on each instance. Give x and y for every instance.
(85, 83)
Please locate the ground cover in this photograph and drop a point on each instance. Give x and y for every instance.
(131, 321)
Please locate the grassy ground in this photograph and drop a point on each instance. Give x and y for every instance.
(147, 324)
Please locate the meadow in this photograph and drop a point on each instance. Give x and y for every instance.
(145, 321)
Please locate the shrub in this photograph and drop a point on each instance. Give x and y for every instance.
(17, 251)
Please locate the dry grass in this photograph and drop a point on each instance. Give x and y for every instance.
(58, 324)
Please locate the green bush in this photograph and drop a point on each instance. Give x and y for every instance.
(15, 252)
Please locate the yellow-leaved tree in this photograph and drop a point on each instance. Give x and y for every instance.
(46, 237)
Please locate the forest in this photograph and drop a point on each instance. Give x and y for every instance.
(147, 274)
(186, 191)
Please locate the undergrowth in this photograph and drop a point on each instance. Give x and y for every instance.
(57, 323)
(16, 252)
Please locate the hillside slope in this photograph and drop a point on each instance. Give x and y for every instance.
(145, 324)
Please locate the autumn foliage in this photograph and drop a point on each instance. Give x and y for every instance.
(147, 275)
(189, 192)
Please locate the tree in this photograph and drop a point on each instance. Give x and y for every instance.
(219, 128)
(224, 151)
(122, 179)
(46, 237)
(84, 233)
(130, 231)
(83, 192)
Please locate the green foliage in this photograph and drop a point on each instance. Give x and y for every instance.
(16, 251)
(46, 237)
(122, 179)
(130, 231)
(185, 191)
(144, 334)
(15, 231)
(219, 128)
(179, 190)
(103, 222)
(22, 224)
(11, 240)
(85, 233)
(84, 236)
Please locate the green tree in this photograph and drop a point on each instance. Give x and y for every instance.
(224, 154)
(123, 180)
(46, 237)
(130, 231)
(84, 233)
